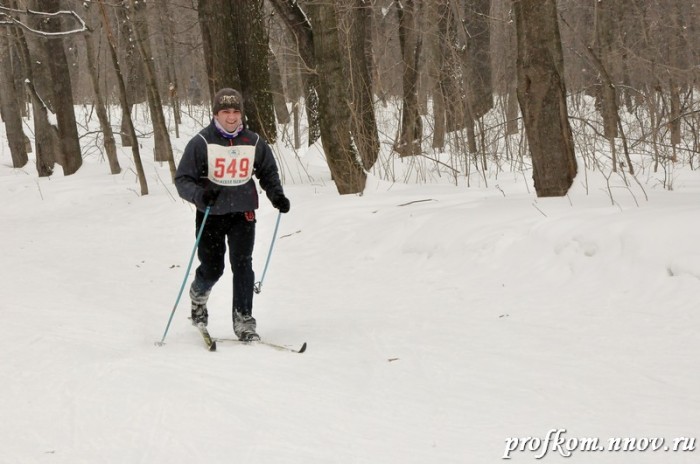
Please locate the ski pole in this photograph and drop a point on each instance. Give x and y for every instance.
(187, 273)
(258, 285)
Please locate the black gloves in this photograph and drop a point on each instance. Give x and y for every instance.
(211, 193)
(281, 202)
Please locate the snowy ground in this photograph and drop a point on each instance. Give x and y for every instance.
(441, 321)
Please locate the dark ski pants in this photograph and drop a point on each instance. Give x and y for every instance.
(239, 230)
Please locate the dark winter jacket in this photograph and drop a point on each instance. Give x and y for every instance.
(229, 164)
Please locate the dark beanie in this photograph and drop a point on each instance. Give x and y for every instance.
(227, 98)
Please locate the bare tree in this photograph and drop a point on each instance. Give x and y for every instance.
(217, 40)
(277, 87)
(128, 123)
(168, 33)
(542, 96)
(9, 105)
(291, 13)
(131, 66)
(477, 29)
(71, 158)
(411, 45)
(334, 108)
(46, 142)
(356, 16)
(100, 105)
(250, 45)
(163, 148)
(473, 51)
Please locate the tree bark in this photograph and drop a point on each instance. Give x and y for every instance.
(100, 107)
(163, 148)
(334, 108)
(435, 49)
(364, 123)
(123, 101)
(542, 96)
(296, 21)
(131, 67)
(217, 39)
(411, 44)
(279, 97)
(71, 158)
(9, 104)
(604, 27)
(166, 21)
(251, 47)
(478, 78)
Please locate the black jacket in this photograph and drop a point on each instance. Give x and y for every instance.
(229, 163)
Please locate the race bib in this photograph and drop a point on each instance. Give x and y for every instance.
(232, 165)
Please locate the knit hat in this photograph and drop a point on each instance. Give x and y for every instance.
(227, 98)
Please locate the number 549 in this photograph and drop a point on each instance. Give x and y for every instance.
(235, 168)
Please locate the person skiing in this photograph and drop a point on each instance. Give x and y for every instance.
(216, 172)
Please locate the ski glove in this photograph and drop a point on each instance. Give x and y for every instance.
(281, 202)
(211, 193)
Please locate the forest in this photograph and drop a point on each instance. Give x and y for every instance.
(474, 86)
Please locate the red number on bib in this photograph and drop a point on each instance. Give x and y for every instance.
(233, 170)
(220, 165)
(245, 167)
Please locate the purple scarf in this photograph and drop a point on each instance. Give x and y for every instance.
(226, 134)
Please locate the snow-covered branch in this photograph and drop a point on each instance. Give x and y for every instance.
(7, 18)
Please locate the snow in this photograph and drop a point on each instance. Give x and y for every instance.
(441, 321)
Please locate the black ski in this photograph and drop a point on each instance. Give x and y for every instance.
(211, 343)
(262, 342)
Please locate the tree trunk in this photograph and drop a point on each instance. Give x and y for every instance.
(604, 28)
(336, 125)
(478, 79)
(166, 20)
(279, 97)
(296, 21)
(411, 42)
(542, 96)
(215, 22)
(677, 44)
(71, 157)
(364, 123)
(100, 107)
(512, 113)
(10, 106)
(475, 57)
(437, 46)
(111, 46)
(448, 69)
(250, 47)
(46, 141)
(163, 147)
(132, 70)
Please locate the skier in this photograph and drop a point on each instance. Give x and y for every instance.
(216, 171)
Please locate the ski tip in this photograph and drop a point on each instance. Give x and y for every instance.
(212, 347)
(303, 348)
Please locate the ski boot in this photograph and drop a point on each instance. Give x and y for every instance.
(244, 327)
